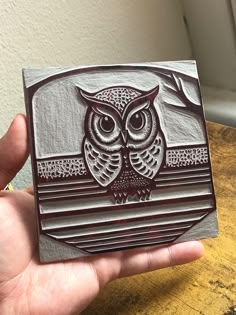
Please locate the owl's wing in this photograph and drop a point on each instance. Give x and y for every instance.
(103, 167)
(148, 161)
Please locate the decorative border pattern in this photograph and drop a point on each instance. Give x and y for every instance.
(186, 157)
(61, 168)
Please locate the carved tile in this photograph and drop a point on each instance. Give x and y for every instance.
(120, 157)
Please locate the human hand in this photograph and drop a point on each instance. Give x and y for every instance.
(29, 287)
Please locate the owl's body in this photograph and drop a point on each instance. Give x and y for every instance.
(124, 145)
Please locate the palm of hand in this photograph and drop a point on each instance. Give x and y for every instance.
(28, 287)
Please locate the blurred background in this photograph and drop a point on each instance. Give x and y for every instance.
(36, 34)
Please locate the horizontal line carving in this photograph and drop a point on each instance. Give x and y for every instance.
(181, 177)
(130, 238)
(84, 219)
(92, 192)
(183, 171)
(128, 206)
(114, 229)
(182, 183)
(126, 246)
(96, 201)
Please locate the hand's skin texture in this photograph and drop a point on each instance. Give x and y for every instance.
(28, 287)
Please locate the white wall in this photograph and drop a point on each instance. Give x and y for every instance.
(212, 30)
(50, 33)
(75, 32)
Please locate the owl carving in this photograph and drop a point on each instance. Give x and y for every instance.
(124, 145)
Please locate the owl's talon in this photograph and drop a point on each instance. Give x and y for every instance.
(120, 197)
(144, 194)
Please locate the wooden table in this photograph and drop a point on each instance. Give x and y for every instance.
(207, 286)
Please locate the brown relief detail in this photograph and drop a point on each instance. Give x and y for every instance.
(125, 158)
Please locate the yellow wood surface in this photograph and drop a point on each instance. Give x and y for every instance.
(207, 286)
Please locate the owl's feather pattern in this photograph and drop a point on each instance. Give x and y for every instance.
(148, 162)
(104, 167)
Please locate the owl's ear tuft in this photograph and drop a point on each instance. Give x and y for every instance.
(88, 97)
(147, 97)
(96, 105)
(151, 95)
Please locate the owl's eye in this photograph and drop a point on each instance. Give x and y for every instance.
(107, 124)
(137, 121)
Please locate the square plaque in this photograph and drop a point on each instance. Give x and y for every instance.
(120, 157)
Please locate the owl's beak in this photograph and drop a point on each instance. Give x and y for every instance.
(124, 134)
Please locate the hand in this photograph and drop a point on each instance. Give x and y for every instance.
(28, 287)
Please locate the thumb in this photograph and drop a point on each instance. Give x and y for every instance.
(14, 150)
